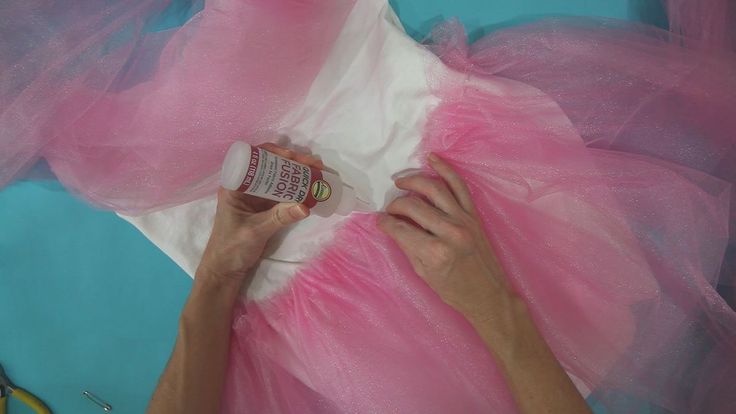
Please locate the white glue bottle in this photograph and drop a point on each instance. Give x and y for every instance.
(263, 174)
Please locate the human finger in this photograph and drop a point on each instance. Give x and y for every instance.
(408, 237)
(456, 184)
(419, 211)
(299, 157)
(266, 223)
(435, 190)
(242, 202)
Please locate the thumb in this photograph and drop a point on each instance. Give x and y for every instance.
(277, 217)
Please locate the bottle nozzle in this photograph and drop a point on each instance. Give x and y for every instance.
(364, 206)
(350, 202)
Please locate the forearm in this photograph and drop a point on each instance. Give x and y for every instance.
(537, 381)
(193, 379)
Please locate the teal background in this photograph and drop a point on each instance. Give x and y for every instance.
(88, 303)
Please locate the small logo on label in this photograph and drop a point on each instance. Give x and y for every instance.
(321, 191)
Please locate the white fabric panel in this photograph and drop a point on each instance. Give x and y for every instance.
(363, 116)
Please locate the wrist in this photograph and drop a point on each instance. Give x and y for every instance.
(502, 323)
(208, 285)
(210, 305)
(483, 300)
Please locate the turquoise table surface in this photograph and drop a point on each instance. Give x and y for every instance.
(88, 303)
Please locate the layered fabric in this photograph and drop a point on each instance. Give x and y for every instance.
(134, 114)
(704, 24)
(620, 288)
(625, 86)
(600, 155)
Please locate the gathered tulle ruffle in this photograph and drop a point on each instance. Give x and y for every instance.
(625, 87)
(620, 288)
(704, 24)
(601, 156)
(134, 112)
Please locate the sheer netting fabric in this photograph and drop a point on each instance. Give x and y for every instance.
(600, 155)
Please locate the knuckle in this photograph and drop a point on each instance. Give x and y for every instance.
(445, 170)
(279, 216)
(452, 173)
(434, 188)
(394, 203)
(402, 225)
(459, 183)
(404, 203)
(459, 234)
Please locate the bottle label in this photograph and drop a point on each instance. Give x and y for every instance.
(280, 179)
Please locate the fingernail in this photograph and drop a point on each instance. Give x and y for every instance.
(406, 173)
(298, 211)
(433, 157)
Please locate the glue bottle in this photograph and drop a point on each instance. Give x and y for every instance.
(263, 174)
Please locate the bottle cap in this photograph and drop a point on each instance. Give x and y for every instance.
(235, 165)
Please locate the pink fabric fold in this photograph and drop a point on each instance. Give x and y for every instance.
(620, 288)
(625, 87)
(134, 119)
(600, 154)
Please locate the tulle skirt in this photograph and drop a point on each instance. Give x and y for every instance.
(625, 86)
(600, 155)
(594, 240)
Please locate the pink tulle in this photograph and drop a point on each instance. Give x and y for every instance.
(594, 241)
(609, 212)
(357, 332)
(48, 52)
(134, 119)
(625, 87)
(618, 285)
(653, 328)
(706, 23)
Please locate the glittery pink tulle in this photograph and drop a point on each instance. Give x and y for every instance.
(358, 332)
(624, 86)
(594, 240)
(605, 193)
(705, 23)
(616, 252)
(132, 114)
